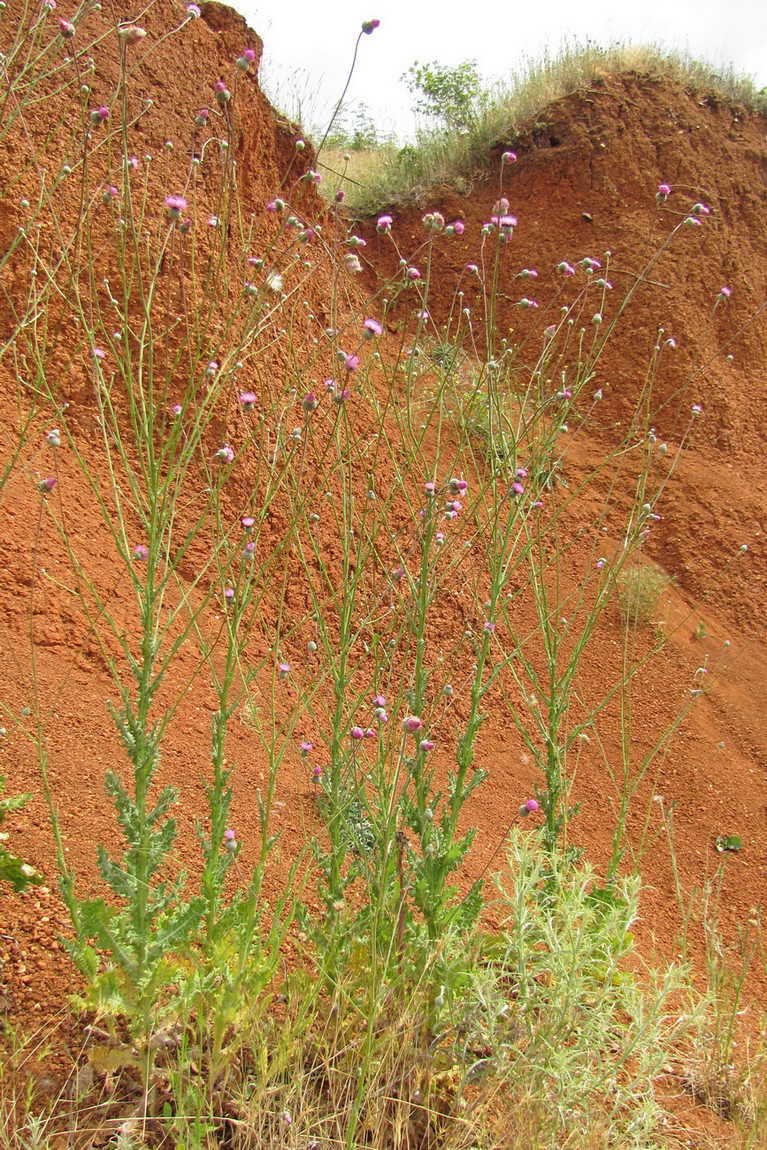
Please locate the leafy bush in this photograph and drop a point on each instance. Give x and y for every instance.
(451, 94)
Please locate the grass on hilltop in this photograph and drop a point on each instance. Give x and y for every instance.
(393, 174)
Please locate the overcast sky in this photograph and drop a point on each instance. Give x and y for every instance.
(308, 45)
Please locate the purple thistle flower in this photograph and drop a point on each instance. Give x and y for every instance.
(229, 594)
(509, 158)
(283, 670)
(305, 748)
(426, 745)
(247, 522)
(317, 773)
(413, 274)
(489, 627)
(379, 700)
(663, 191)
(47, 485)
(384, 223)
(369, 26)
(357, 733)
(67, 30)
(725, 293)
(225, 454)
(140, 552)
(248, 400)
(193, 11)
(411, 725)
(223, 95)
(175, 206)
(351, 362)
(309, 402)
(565, 268)
(371, 328)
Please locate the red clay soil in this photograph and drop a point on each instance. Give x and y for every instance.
(583, 183)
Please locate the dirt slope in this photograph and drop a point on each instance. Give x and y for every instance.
(584, 181)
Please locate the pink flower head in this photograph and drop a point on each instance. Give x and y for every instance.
(317, 773)
(565, 268)
(517, 488)
(310, 402)
(430, 489)
(457, 228)
(371, 328)
(526, 303)
(141, 552)
(379, 700)
(663, 191)
(458, 486)
(369, 26)
(225, 454)
(351, 362)
(340, 196)
(67, 30)
(47, 485)
(201, 119)
(531, 805)
(248, 400)
(133, 163)
(509, 158)
(701, 210)
(283, 670)
(398, 573)
(411, 725)
(175, 205)
(222, 93)
(98, 353)
(528, 274)
(522, 473)
(589, 264)
(247, 522)
(229, 594)
(229, 836)
(413, 274)
(177, 409)
(341, 395)
(249, 55)
(472, 268)
(103, 113)
(249, 550)
(305, 748)
(422, 315)
(725, 293)
(489, 627)
(369, 733)
(692, 222)
(357, 733)
(426, 745)
(600, 563)
(193, 11)
(384, 223)
(212, 368)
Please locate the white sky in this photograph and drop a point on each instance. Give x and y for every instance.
(308, 45)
